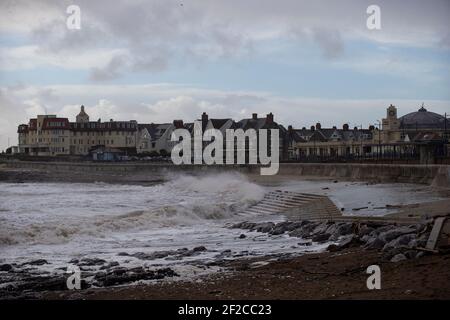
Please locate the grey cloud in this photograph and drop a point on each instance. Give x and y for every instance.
(111, 71)
(157, 32)
(330, 41)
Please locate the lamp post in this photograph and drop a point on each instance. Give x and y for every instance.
(379, 137)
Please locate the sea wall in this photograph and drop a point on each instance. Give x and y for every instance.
(436, 175)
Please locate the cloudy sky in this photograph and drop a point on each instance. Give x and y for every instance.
(159, 60)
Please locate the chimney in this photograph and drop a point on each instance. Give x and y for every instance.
(303, 128)
(269, 118)
(355, 128)
(178, 124)
(334, 127)
(318, 126)
(290, 128)
(371, 128)
(204, 120)
(345, 127)
(313, 128)
(254, 116)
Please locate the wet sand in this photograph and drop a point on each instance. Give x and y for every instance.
(325, 275)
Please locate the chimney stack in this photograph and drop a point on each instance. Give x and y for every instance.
(318, 126)
(254, 116)
(204, 120)
(371, 128)
(269, 118)
(178, 124)
(313, 128)
(290, 128)
(345, 127)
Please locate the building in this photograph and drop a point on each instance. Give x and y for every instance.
(49, 135)
(155, 138)
(421, 134)
(407, 127)
(328, 142)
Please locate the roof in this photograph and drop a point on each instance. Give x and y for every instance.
(422, 119)
(55, 123)
(218, 123)
(327, 134)
(156, 130)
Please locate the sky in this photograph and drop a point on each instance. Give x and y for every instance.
(160, 60)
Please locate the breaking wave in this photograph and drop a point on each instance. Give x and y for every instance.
(49, 213)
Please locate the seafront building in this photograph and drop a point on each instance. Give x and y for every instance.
(418, 135)
(49, 135)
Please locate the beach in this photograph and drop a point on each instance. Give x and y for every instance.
(189, 236)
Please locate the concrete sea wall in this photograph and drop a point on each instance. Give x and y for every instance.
(436, 175)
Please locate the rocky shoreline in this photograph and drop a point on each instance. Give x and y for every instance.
(392, 243)
(396, 242)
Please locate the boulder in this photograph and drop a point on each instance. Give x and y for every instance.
(364, 230)
(398, 257)
(265, 227)
(321, 237)
(395, 233)
(375, 243)
(401, 241)
(6, 267)
(38, 262)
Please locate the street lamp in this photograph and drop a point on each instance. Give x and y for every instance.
(379, 137)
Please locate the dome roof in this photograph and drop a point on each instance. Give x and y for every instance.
(422, 119)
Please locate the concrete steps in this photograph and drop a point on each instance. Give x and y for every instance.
(279, 201)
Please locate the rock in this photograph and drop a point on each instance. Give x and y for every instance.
(198, 249)
(419, 254)
(321, 228)
(6, 267)
(398, 257)
(110, 265)
(401, 241)
(364, 230)
(304, 231)
(242, 236)
(38, 262)
(410, 254)
(285, 226)
(121, 276)
(244, 225)
(395, 233)
(347, 242)
(333, 247)
(375, 243)
(123, 254)
(382, 229)
(91, 262)
(344, 229)
(321, 237)
(265, 227)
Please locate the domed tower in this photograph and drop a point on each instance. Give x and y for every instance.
(82, 116)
